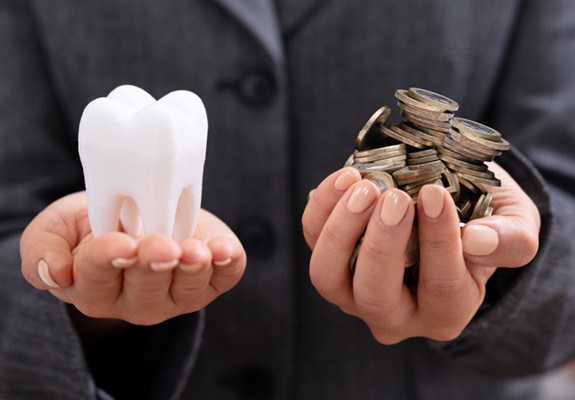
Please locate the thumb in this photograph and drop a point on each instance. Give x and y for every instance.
(508, 238)
(47, 242)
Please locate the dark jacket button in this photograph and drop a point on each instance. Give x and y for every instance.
(257, 87)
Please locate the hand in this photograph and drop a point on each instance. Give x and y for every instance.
(454, 265)
(143, 281)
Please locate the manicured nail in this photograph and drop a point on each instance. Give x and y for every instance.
(479, 240)
(432, 200)
(345, 179)
(164, 266)
(394, 207)
(191, 267)
(45, 276)
(121, 262)
(362, 197)
(311, 192)
(223, 263)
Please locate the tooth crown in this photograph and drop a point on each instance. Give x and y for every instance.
(143, 161)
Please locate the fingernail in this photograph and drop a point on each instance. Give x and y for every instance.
(345, 180)
(362, 197)
(479, 240)
(432, 200)
(45, 276)
(191, 267)
(311, 192)
(164, 266)
(223, 263)
(121, 262)
(394, 207)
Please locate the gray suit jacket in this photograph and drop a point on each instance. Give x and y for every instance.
(286, 87)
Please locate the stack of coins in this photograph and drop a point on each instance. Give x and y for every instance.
(429, 146)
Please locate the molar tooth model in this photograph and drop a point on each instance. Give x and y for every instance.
(143, 161)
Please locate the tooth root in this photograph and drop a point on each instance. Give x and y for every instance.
(187, 213)
(143, 161)
(104, 214)
(130, 218)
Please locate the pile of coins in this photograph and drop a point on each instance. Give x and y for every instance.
(429, 146)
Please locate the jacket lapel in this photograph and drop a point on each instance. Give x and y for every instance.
(260, 18)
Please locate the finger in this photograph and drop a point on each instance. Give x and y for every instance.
(46, 263)
(329, 264)
(46, 244)
(383, 301)
(46, 253)
(510, 237)
(228, 260)
(98, 268)
(447, 294)
(147, 283)
(323, 200)
(192, 276)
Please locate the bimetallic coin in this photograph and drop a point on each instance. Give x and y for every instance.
(435, 138)
(349, 162)
(475, 128)
(439, 116)
(382, 180)
(481, 183)
(459, 148)
(421, 160)
(407, 139)
(401, 95)
(369, 130)
(429, 146)
(430, 124)
(432, 98)
(391, 151)
(417, 173)
(462, 164)
(379, 157)
(422, 153)
(475, 144)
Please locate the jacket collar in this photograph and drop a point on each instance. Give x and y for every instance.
(260, 18)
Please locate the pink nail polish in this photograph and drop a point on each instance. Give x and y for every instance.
(223, 263)
(191, 267)
(121, 262)
(164, 266)
(394, 207)
(362, 197)
(45, 276)
(345, 179)
(432, 201)
(479, 240)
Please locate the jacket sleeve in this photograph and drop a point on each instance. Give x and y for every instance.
(527, 324)
(41, 352)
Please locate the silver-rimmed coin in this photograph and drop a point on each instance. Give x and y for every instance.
(433, 99)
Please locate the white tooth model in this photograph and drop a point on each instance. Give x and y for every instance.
(143, 161)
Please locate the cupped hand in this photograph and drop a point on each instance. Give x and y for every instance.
(143, 280)
(454, 263)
